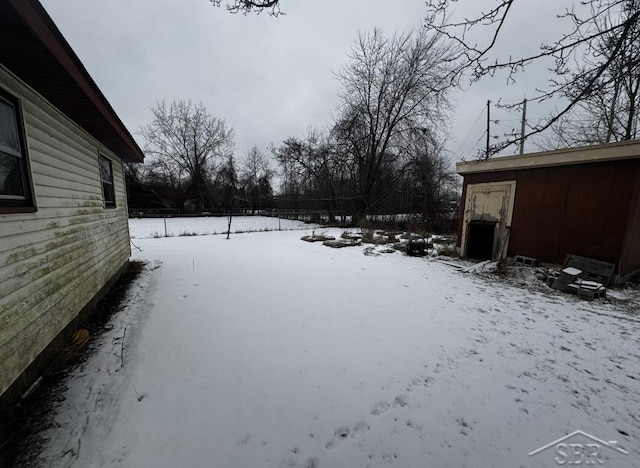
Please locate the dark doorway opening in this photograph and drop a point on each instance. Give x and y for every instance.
(480, 240)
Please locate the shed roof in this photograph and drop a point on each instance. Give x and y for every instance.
(33, 48)
(563, 157)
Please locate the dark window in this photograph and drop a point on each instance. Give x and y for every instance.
(106, 177)
(15, 188)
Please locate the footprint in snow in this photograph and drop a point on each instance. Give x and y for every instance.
(359, 430)
(331, 445)
(340, 434)
(400, 401)
(244, 441)
(312, 463)
(429, 381)
(414, 383)
(183, 296)
(379, 408)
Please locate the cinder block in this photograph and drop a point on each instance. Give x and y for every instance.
(527, 261)
(559, 285)
(591, 294)
(569, 275)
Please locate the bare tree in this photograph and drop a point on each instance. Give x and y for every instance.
(582, 36)
(610, 110)
(312, 159)
(150, 188)
(252, 6)
(183, 143)
(293, 180)
(427, 180)
(255, 180)
(391, 86)
(312, 168)
(225, 185)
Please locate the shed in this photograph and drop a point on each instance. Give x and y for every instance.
(583, 201)
(64, 236)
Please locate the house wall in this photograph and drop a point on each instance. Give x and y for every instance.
(54, 261)
(581, 209)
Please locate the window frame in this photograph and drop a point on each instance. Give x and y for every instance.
(108, 196)
(24, 203)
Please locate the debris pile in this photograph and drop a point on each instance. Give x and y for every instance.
(418, 247)
(412, 244)
(569, 281)
(482, 267)
(340, 243)
(317, 238)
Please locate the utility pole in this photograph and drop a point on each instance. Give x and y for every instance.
(524, 121)
(488, 127)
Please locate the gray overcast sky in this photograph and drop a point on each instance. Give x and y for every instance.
(270, 78)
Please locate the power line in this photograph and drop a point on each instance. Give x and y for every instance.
(479, 140)
(460, 146)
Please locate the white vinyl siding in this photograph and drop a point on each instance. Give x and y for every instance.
(55, 260)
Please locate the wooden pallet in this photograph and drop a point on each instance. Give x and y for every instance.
(591, 269)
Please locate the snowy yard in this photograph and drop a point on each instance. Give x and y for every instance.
(170, 227)
(266, 351)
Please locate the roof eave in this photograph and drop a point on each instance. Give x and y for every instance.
(119, 140)
(564, 157)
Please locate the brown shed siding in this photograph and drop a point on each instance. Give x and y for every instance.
(579, 208)
(630, 258)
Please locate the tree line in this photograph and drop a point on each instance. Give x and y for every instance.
(190, 165)
(384, 152)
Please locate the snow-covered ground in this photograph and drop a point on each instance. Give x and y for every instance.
(266, 351)
(169, 227)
